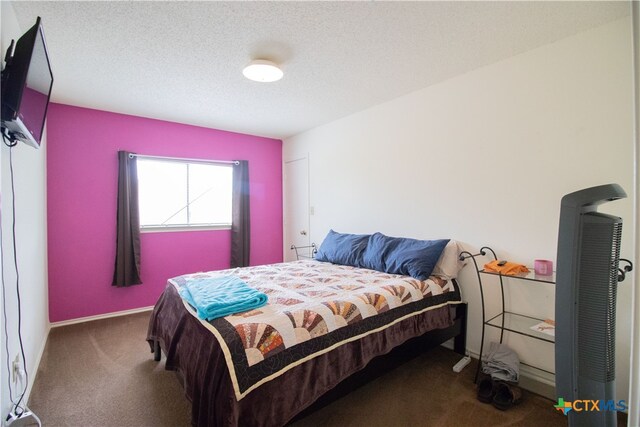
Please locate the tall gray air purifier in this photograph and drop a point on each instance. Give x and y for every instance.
(586, 281)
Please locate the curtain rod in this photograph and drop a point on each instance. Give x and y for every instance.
(231, 162)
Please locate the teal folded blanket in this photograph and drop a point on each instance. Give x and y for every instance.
(221, 296)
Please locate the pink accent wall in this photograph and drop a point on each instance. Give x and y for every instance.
(82, 175)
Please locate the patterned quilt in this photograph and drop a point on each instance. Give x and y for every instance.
(313, 307)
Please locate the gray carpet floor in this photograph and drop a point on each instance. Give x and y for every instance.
(101, 373)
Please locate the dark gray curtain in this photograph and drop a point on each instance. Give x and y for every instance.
(127, 270)
(240, 226)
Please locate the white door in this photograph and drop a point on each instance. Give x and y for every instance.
(296, 206)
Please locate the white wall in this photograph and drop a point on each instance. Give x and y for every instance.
(484, 158)
(31, 238)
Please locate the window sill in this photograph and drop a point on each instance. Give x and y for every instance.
(170, 229)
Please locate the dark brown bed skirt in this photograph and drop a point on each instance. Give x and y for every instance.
(193, 351)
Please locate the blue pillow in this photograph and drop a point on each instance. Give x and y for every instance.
(345, 249)
(397, 255)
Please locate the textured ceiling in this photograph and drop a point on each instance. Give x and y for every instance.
(182, 61)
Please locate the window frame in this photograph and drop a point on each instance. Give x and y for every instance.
(185, 227)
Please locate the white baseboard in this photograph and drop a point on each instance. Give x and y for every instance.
(538, 375)
(100, 316)
(532, 379)
(537, 381)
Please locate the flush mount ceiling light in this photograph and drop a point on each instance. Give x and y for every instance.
(261, 70)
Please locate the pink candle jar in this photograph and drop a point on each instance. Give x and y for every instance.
(543, 267)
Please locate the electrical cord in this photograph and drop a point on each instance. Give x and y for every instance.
(4, 315)
(17, 409)
(4, 306)
(8, 139)
(15, 263)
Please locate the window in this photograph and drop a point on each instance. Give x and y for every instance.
(175, 194)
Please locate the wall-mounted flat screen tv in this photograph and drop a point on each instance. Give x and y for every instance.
(26, 87)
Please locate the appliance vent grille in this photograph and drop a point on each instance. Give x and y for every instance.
(598, 282)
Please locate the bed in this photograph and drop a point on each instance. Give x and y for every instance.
(324, 325)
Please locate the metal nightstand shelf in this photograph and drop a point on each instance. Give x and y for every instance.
(520, 324)
(506, 320)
